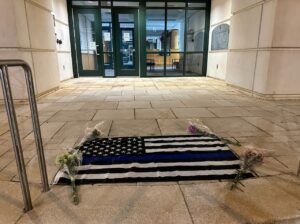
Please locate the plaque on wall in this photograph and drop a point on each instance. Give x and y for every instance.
(220, 37)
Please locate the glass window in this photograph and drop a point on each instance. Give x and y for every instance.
(195, 30)
(85, 3)
(155, 64)
(155, 4)
(175, 30)
(196, 4)
(174, 64)
(106, 30)
(155, 26)
(105, 3)
(176, 4)
(126, 18)
(193, 64)
(126, 4)
(109, 64)
(107, 42)
(87, 38)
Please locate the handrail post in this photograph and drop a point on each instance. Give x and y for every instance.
(36, 128)
(13, 124)
(15, 135)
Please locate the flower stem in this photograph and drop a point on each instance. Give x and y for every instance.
(74, 196)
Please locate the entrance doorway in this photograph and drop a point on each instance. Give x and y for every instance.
(96, 61)
(139, 38)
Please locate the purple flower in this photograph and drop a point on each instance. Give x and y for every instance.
(192, 129)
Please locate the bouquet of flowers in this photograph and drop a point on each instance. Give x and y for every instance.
(199, 128)
(91, 134)
(251, 158)
(70, 160)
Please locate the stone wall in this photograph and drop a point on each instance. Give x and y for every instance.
(217, 59)
(62, 33)
(27, 32)
(264, 48)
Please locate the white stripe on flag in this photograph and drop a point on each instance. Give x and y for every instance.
(154, 165)
(178, 138)
(148, 144)
(150, 174)
(196, 149)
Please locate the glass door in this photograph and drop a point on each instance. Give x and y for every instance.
(126, 42)
(107, 42)
(87, 34)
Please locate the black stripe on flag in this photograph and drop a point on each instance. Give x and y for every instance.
(157, 169)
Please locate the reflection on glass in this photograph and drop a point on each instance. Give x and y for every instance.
(196, 4)
(155, 4)
(175, 30)
(87, 41)
(155, 64)
(195, 30)
(155, 26)
(107, 42)
(174, 64)
(193, 64)
(105, 3)
(85, 3)
(175, 42)
(109, 67)
(127, 51)
(176, 4)
(127, 47)
(126, 4)
(106, 30)
(126, 18)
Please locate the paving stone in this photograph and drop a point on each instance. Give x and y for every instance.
(113, 204)
(263, 124)
(11, 203)
(173, 126)
(114, 114)
(153, 113)
(230, 111)
(78, 115)
(77, 129)
(134, 104)
(48, 129)
(192, 112)
(167, 104)
(125, 128)
(262, 200)
(119, 98)
(230, 125)
(99, 106)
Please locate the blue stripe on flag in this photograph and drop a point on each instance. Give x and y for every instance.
(160, 157)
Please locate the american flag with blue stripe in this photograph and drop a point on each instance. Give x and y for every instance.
(163, 158)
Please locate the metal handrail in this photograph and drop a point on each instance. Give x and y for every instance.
(14, 130)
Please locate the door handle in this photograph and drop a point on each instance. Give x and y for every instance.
(97, 50)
